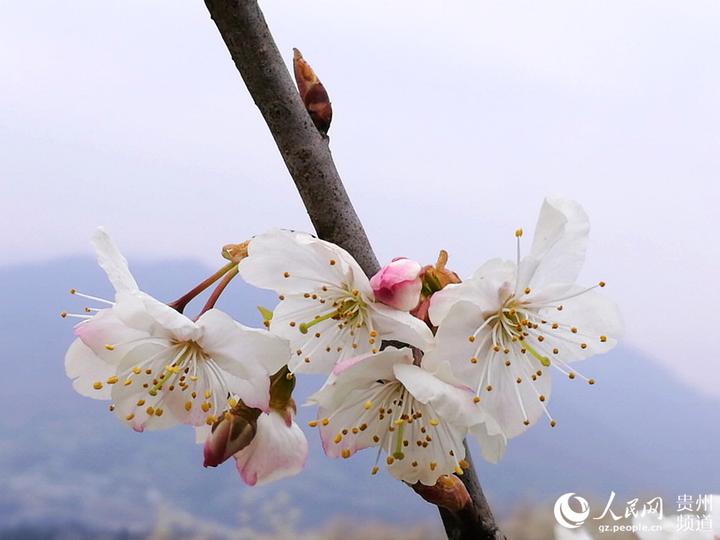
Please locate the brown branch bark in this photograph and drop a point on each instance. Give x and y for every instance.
(308, 159)
(306, 152)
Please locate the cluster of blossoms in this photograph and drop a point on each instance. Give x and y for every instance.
(417, 360)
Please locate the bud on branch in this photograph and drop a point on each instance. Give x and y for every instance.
(313, 93)
(448, 492)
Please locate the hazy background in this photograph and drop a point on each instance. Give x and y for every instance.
(451, 123)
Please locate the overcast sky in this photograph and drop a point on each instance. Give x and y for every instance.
(452, 121)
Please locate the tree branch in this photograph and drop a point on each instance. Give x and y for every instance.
(308, 159)
(306, 152)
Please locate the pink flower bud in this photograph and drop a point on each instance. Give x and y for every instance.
(398, 284)
(230, 435)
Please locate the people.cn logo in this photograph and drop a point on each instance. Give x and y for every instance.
(566, 516)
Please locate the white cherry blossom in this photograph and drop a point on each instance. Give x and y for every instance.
(161, 368)
(327, 308)
(502, 329)
(418, 418)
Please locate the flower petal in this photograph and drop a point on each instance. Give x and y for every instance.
(86, 370)
(495, 271)
(452, 403)
(135, 403)
(358, 372)
(588, 324)
(490, 439)
(277, 451)
(107, 335)
(392, 324)
(348, 426)
(113, 263)
(558, 250)
(173, 322)
(246, 356)
(292, 262)
(452, 343)
(481, 289)
(240, 349)
(511, 403)
(398, 284)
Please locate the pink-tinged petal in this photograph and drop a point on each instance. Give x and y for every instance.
(276, 451)
(107, 335)
(352, 418)
(373, 366)
(113, 263)
(135, 403)
(89, 373)
(398, 284)
(359, 372)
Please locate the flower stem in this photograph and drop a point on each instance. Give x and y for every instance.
(180, 304)
(218, 290)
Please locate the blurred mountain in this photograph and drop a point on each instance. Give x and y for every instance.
(65, 459)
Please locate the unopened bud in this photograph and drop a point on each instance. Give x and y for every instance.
(398, 284)
(313, 93)
(235, 252)
(448, 492)
(233, 432)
